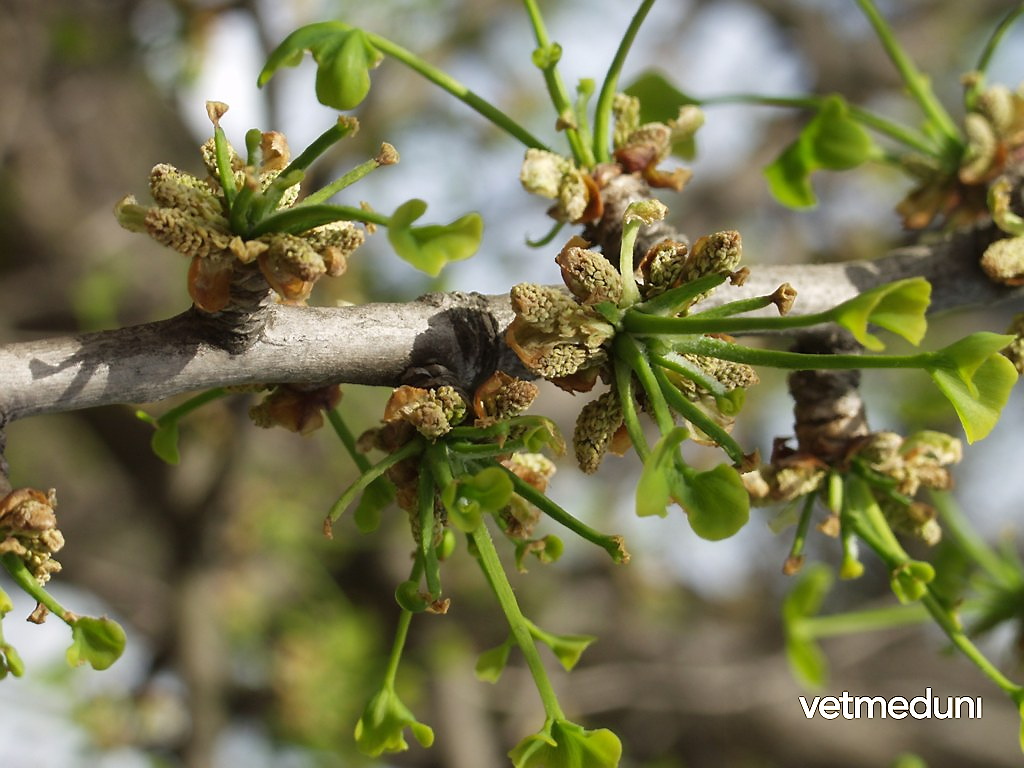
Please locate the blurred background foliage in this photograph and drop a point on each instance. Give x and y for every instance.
(255, 641)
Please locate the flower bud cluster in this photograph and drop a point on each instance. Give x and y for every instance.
(902, 465)
(190, 216)
(640, 148)
(561, 336)
(994, 130)
(28, 529)
(502, 397)
(669, 263)
(519, 518)
(557, 178)
(295, 408)
(431, 412)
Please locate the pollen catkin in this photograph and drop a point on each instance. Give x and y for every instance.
(564, 359)
(172, 188)
(626, 111)
(714, 254)
(731, 375)
(28, 529)
(541, 306)
(1003, 261)
(432, 412)
(982, 146)
(186, 234)
(997, 104)
(589, 276)
(663, 267)
(542, 172)
(552, 176)
(335, 242)
(513, 398)
(295, 255)
(597, 423)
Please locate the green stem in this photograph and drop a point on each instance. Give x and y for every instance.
(627, 401)
(882, 125)
(956, 525)
(676, 299)
(487, 556)
(603, 109)
(238, 218)
(548, 238)
(865, 621)
(456, 89)
(724, 350)
(302, 217)
(680, 365)
(378, 469)
(627, 268)
(19, 572)
(347, 439)
(796, 551)
(914, 80)
(427, 551)
(627, 348)
(639, 322)
(225, 173)
(956, 635)
(401, 632)
(613, 545)
(738, 307)
(192, 404)
(877, 534)
(437, 460)
(559, 96)
(341, 128)
(997, 35)
(342, 182)
(698, 418)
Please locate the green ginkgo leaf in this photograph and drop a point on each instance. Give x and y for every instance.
(430, 248)
(491, 663)
(654, 488)
(899, 307)
(716, 502)
(976, 379)
(569, 648)
(381, 727)
(377, 496)
(164, 442)
(836, 141)
(10, 661)
(806, 659)
(100, 642)
(789, 178)
(562, 744)
(832, 140)
(344, 58)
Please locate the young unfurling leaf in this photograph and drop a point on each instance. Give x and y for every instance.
(344, 58)
(429, 248)
(976, 379)
(898, 307)
(97, 641)
(832, 141)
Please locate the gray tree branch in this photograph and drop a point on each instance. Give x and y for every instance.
(457, 338)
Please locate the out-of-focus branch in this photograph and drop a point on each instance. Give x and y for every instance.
(455, 337)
